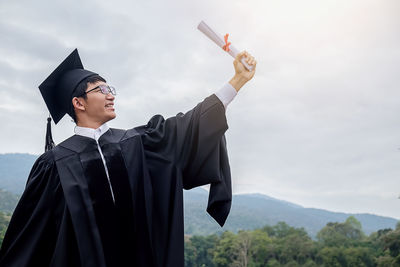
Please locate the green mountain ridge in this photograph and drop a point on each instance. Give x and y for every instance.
(252, 211)
(14, 171)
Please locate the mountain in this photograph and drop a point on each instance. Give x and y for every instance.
(14, 171)
(8, 201)
(249, 211)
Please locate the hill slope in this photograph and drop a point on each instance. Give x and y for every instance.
(8, 201)
(14, 171)
(252, 211)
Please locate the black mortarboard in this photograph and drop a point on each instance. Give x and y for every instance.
(58, 88)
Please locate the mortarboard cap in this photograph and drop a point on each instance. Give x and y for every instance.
(58, 88)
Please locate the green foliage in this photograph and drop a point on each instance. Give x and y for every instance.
(224, 250)
(273, 263)
(4, 221)
(309, 263)
(386, 261)
(391, 241)
(8, 201)
(341, 234)
(332, 256)
(242, 246)
(341, 244)
(262, 248)
(359, 256)
(199, 251)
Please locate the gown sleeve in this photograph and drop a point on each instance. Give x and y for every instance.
(195, 142)
(30, 238)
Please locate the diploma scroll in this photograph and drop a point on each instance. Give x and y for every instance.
(219, 40)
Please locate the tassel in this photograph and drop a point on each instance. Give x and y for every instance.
(49, 138)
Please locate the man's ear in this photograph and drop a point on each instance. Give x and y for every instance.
(78, 103)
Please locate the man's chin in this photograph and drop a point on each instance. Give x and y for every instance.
(111, 117)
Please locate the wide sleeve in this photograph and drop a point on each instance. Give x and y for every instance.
(195, 142)
(30, 238)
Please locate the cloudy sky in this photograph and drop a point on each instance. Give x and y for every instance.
(319, 125)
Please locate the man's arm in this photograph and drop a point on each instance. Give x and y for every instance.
(229, 90)
(195, 144)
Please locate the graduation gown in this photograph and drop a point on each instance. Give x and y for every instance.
(67, 216)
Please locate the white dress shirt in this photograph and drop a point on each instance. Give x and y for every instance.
(95, 134)
(225, 94)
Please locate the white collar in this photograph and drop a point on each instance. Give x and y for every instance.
(90, 132)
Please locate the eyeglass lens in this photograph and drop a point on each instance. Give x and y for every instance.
(106, 89)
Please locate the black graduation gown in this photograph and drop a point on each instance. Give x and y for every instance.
(67, 217)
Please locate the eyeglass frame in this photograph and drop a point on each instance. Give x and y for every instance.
(111, 90)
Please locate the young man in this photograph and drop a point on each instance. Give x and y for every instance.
(111, 197)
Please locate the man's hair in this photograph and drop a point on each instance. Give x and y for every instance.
(80, 91)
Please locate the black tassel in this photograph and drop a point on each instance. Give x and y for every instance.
(49, 138)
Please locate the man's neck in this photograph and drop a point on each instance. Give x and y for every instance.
(93, 125)
(91, 132)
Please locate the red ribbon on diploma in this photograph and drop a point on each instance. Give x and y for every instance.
(226, 46)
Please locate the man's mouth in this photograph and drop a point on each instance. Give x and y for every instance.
(110, 105)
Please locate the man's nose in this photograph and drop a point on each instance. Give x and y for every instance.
(110, 96)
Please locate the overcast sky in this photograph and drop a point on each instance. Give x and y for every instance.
(319, 124)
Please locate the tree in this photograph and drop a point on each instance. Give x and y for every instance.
(199, 251)
(4, 221)
(241, 252)
(386, 261)
(224, 250)
(273, 263)
(262, 248)
(332, 257)
(297, 247)
(345, 234)
(340, 244)
(280, 230)
(291, 244)
(190, 253)
(359, 256)
(391, 244)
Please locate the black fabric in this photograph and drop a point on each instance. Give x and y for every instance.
(49, 143)
(67, 217)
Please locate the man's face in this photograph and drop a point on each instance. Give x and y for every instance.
(98, 106)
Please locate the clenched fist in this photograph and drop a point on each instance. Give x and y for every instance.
(242, 75)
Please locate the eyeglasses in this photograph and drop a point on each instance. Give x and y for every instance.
(104, 89)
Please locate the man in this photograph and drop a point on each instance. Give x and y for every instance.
(111, 197)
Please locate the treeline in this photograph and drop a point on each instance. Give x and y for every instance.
(4, 221)
(337, 244)
(8, 201)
